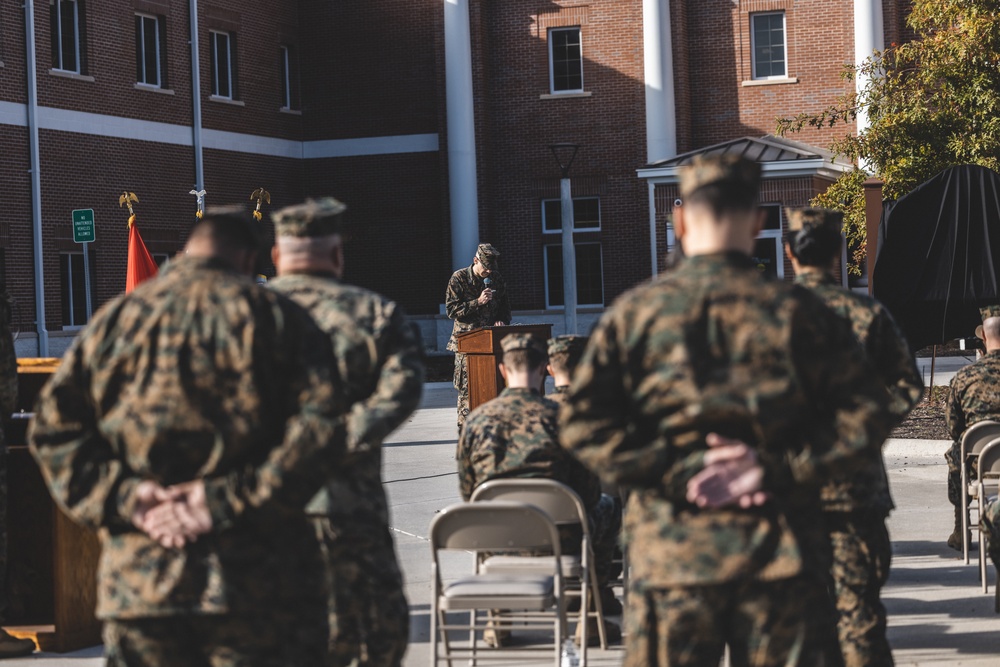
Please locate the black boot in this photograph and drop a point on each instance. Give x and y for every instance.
(955, 539)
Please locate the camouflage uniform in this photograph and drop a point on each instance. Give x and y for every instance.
(461, 305)
(516, 435)
(974, 397)
(716, 347)
(565, 350)
(378, 354)
(856, 506)
(199, 374)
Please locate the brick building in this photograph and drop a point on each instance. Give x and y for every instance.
(432, 119)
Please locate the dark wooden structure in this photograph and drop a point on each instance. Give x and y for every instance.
(483, 349)
(52, 562)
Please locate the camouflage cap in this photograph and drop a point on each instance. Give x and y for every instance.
(488, 255)
(730, 171)
(567, 344)
(315, 217)
(814, 218)
(513, 342)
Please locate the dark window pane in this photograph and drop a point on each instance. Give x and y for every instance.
(150, 36)
(222, 58)
(67, 15)
(586, 214)
(769, 45)
(283, 63)
(766, 255)
(138, 50)
(589, 274)
(552, 210)
(773, 219)
(567, 60)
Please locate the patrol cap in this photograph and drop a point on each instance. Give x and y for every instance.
(814, 219)
(726, 171)
(568, 344)
(488, 255)
(315, 217)
(513, 342)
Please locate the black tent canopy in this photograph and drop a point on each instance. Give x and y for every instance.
(939, 253)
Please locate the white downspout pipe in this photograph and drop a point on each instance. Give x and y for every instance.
(199, 167)
(462, 188)
(869, 36)
(661, 118)
(36, 177)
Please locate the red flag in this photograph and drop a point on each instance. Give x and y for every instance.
(140, 263)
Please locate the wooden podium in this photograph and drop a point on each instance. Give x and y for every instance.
(482, 347)
(51, 561)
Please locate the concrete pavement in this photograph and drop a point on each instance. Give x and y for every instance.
(938, 616)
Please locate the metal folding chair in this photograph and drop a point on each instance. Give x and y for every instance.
(973, 440)
(988, 464)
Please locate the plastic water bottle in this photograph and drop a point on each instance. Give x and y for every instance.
(570, 654)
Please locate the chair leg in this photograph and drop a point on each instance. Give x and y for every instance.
(602, 630)
(964, 508)
(983, 540)
(583, 616)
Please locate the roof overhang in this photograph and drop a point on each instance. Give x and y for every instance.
(780, 169)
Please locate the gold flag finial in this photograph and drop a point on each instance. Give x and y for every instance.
(200, 202)
(127, 199)
(261, 195)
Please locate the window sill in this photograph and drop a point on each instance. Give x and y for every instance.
(226, 100)
(153, 89)
(70, 75)
(293, 112)
(561, 96)
(769, 82)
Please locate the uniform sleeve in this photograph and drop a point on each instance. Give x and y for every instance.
(85, 475)
(456, 301)
(8, 365)
(954, 417)
(599, 429)
(853, 404)
(315, 433)
(466, 471)
(397, 393)
(889, 351)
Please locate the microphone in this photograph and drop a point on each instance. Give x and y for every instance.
(487, 281)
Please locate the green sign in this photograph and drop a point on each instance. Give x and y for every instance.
(83, 225)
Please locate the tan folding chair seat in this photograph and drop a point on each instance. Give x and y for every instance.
(534, 600)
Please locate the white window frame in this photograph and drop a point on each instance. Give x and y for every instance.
(778, 236)
(55, 4)
(73, 325)
(212, 41)
(576, 229)
(552, 83)
(545, 267)
(753, 45)
(156, 45)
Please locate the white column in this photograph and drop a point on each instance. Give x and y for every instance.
(661, 124)
(462, 189)
(869, 35)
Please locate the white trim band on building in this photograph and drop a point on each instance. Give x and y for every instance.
(101, 125)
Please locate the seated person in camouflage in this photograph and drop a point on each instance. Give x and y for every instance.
(564, 354)
(974, 397)
(516, 435)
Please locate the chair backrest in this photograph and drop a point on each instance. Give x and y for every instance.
(988, 463)
(494, 526)
(554, 498)
(977, 435)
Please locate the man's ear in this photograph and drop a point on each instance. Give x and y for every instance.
(275, 255)
(503, 370)
(680, 226)
(550, 370)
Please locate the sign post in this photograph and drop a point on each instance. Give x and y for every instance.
(84, 233)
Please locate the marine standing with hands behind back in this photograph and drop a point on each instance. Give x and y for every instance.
(379, 357)
(476, 297)
(856, 506)
(723, 399)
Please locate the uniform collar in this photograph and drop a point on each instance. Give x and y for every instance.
(519, 391)
(811, 276)
(717, 260)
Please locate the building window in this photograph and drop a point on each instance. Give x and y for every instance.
(67, 25)
(149, 44)
(589, 275)
(768, 44)
(289, 78)
(565, 60)
(73, 288)
(223, 67)
(586, 215)
(767, 250)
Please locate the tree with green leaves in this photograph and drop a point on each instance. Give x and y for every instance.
(932, 103)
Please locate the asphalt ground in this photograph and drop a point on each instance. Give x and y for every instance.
(937, 613)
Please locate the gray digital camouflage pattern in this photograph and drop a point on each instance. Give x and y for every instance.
(856, 505)
(199, 374)
(8, 402)
(714, 346)
(462, 306)
(380, 358)
(974, 397)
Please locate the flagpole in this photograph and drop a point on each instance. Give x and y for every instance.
(86, 279)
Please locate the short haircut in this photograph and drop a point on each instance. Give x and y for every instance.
(230, 227)
(523, 359)
(566, 362)
(814, 245)
(991, 328)
(723, 198)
